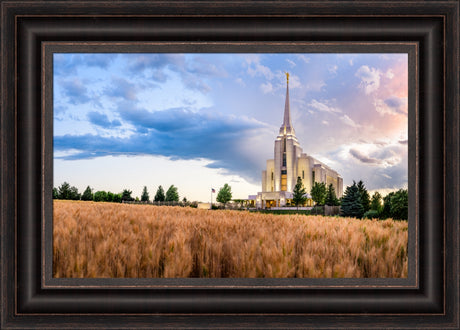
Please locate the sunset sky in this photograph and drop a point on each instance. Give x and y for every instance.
(202, 120)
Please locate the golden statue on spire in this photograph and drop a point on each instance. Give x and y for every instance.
(287, 77)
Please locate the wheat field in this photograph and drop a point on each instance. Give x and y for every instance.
(96, 240)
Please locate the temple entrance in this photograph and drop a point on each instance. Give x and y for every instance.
(270, 203)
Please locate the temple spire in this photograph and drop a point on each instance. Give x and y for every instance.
(286, 127)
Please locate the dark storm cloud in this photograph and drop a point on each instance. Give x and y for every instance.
(102, 120)
(191, 72)
(175, 133)
(397, 104)
(141, 62)
(122, 88)
(363, 158)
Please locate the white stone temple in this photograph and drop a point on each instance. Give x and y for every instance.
(280, 177)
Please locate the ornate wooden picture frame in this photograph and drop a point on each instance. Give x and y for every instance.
(32, 30)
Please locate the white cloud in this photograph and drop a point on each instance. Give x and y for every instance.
(315, 86)
(370, 78)
(257, 69)
(348, 121)
(350, 62)
(333, 69)
(304, 58)
(392, 106)
(372, 154)
(390, 74)
(325, 122)
(291, 63)
(240, 82)
(323, 107)
(266, 88)
(294, 81)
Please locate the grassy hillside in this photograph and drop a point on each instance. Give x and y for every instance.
(118, 240)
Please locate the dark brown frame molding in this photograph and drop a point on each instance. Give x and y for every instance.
(32, 30)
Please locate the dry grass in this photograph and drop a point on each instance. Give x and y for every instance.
(118, 240)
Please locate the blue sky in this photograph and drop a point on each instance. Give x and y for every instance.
(201, 120)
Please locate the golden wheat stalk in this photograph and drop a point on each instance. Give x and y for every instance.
(118, 240)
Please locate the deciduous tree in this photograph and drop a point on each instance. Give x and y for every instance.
(386, 210)
(225, 194)
(172, 195)
(74, 194)
(318, 193)
(376, 202)
(399, 205)
(100, 196)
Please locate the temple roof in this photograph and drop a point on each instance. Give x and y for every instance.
(286, 127)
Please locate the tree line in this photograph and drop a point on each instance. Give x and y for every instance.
(65, 191)
(356, 201)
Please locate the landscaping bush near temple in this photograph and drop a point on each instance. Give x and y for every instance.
(93, 239)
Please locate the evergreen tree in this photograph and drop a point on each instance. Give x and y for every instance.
(145, 195)
(225, 194)
(87, 194)
(365, 198)
(172, 195)
(160, 195)
(318, 193)
(331, 198)
(64, 191)
(351, 202)
(126, 195)
(55, 193)
(298, 196)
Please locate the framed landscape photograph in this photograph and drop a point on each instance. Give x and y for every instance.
(246, 164)
(191, 122)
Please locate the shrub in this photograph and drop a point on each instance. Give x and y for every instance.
(371, 214)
